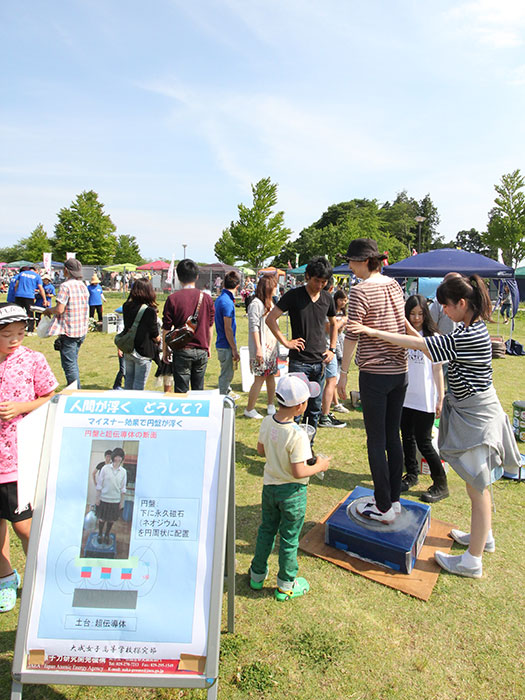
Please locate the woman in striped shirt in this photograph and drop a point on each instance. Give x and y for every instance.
(475, 435)
(377, 301)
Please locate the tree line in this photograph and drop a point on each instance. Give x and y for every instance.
(82, 228)
(400, 227)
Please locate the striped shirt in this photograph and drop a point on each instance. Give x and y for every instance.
(468, 350)
(378, 304)
(73, 322)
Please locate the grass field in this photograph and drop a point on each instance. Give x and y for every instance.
(349, 638)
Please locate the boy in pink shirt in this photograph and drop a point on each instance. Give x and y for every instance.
(26, 382)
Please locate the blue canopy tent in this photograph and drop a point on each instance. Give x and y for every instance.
(437, 263)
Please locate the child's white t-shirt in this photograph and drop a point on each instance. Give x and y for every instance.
(284, 444)
(421, 390)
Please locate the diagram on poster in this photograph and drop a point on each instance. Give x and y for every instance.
(127, 530)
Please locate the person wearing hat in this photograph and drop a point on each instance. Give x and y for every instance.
(27, 383)
(377, 301)
(71, 314)
(286, 447)
(49, 290)
(96, 297)
(26, 282)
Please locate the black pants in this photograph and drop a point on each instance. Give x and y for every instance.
(382, 397)
(98, 309)
(26, 304)
(416, 429)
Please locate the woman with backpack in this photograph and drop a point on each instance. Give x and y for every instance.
(141, 300)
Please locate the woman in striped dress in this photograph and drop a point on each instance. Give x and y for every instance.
(475, 435)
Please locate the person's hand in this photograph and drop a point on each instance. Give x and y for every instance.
(341, 386)
(9, 410)
(323, 463)
(47, 312)
(328, 356)
(439, 406)
(295, 344)
(259, 358)
(235, 355)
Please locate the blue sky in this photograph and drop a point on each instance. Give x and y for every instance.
(170, 109)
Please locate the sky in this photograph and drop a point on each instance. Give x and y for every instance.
(171, 109)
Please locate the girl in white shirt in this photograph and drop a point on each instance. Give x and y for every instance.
(423, 401)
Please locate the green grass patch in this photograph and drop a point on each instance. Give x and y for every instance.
(348, 638)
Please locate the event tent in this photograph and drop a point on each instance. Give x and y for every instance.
(437, 263)
(155, 265)
(120, 267)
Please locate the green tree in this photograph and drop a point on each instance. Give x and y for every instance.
(12, 253)
(84, 228)
(259, 233)
(127, 250)
(399, 219)
(35, 245)
(506, 227)
(474, 242)
(225, 247)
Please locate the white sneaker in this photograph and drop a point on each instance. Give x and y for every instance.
(368, 509)
(253, 414)
(233, 396)
(454, 565)
(396, 507)
(339, 408)
(463, 538)
(270, 409)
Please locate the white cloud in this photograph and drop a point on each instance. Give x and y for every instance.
(495, 23)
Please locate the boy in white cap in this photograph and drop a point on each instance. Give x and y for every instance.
(287, 448)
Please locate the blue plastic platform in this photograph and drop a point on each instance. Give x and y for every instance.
(395, 546)
(94, 550)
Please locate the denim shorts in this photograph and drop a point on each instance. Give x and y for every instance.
(331, 369)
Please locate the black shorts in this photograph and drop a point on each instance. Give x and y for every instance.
(9, 504)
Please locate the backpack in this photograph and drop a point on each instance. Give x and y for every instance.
(125, 340)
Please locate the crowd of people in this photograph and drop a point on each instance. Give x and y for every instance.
(399, 349)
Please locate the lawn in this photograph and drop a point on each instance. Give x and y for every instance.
(349, 637)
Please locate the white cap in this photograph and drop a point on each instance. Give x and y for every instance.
(294, 388)
(11, 313)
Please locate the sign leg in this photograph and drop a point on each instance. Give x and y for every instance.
(16, 690)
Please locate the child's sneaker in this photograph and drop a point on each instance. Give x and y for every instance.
(370, 510)
(463, 538)
(454, 564)
(254, 584)
(8, 587)
(299, 587)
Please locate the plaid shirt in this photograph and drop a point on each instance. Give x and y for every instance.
(73, 322)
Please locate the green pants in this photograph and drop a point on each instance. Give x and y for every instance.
(283, 511)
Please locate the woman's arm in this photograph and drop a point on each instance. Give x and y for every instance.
(403, 341)
(271, 322)
(437, 371)
(348, 352)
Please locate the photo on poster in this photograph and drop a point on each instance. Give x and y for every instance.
(108, 514)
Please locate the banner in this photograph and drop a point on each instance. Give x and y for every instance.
(135, 596)
(47, 263)
(70, 255)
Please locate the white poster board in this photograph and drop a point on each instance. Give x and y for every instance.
(139, 603)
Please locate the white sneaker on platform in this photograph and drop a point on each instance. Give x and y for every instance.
(370, 510)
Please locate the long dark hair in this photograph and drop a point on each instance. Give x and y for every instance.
(429, 326)
(142, 292)
(265, 288)
(472, 289)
